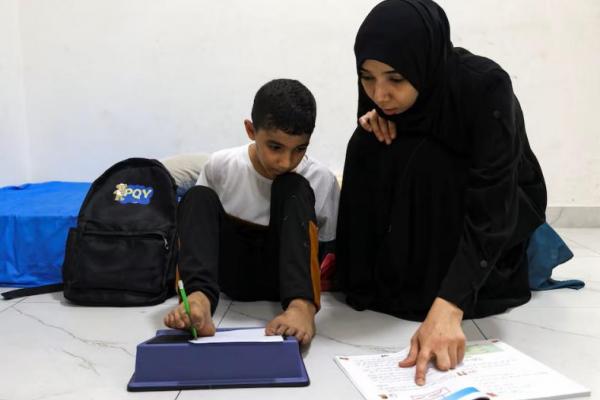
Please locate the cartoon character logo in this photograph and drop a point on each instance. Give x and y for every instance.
(120, 192)
(133, 194)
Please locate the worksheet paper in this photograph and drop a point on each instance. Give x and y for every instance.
(239, 336)
(491, 370)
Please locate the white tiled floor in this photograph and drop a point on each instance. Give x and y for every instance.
(50, 349)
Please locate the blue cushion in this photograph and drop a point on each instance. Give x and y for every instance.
(546, 251)
(34, 222)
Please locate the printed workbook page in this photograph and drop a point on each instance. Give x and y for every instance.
(491, 370)
(378, 377)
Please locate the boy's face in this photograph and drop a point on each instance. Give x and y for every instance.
(275, 152)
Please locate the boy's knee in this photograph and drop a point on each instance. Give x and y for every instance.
(291, 184)
(200, 194)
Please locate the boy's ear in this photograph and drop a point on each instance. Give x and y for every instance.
(249, 129)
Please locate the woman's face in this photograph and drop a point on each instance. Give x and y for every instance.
(386, 87)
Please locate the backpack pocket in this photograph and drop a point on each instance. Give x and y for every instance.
(122, 261)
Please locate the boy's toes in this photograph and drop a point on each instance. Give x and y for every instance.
(299, 336)
(207, 329)
(271, 328)
(302, 339)
(290, 331)
(281, 329)
(306, 339)
(170, 320)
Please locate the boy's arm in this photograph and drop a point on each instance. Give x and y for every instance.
(205, 178)
(327, 217)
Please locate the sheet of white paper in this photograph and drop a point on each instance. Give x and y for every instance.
(238, 336)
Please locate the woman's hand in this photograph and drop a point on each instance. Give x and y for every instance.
(384, 130)
(439, 338)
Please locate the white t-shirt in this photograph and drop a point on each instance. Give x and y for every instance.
(246, 194)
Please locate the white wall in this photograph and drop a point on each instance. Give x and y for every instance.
(551, 48)
(109, 79)
(14, 153)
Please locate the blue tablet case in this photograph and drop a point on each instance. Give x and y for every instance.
(169, 362)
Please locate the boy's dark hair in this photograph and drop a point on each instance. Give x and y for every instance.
(284, 104)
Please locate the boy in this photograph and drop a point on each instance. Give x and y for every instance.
(250, 227)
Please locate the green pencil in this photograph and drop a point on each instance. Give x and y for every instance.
(186, 304)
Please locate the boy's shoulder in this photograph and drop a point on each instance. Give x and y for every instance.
(231, 158)
(228, 154)
(224, 165)
(314, 170)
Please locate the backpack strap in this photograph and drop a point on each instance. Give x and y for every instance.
(13, 294)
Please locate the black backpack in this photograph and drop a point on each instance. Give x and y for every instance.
(123, 251)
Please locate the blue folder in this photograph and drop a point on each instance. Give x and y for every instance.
(169, 362)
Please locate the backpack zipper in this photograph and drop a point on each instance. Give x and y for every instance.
(151, 234)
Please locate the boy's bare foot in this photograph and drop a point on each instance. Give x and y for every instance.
(298, 320)
(200, 311)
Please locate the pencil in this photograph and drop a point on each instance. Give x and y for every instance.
(186, 304)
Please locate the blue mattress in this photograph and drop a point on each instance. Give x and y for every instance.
(34, 222)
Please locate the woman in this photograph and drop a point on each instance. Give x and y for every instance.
(434, 223)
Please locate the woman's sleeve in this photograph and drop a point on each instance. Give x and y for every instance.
(491, 200)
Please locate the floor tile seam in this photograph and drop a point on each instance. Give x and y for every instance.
(537, 308)
(87, 364)
(388, 349)
(581, 259)
(479, 329)
(585, 289)
(580, 256)
(42, 302)
(370, 347)
(13, 304)
(564, 277)
(588, 288)
(45, 396)
(97, 343)
(530, 306)
(548, 328)
(225, 313)
(583, 246)
(246, 314)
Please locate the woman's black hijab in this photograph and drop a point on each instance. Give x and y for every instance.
(413, 36)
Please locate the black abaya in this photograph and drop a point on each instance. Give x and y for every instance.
(447, 209)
